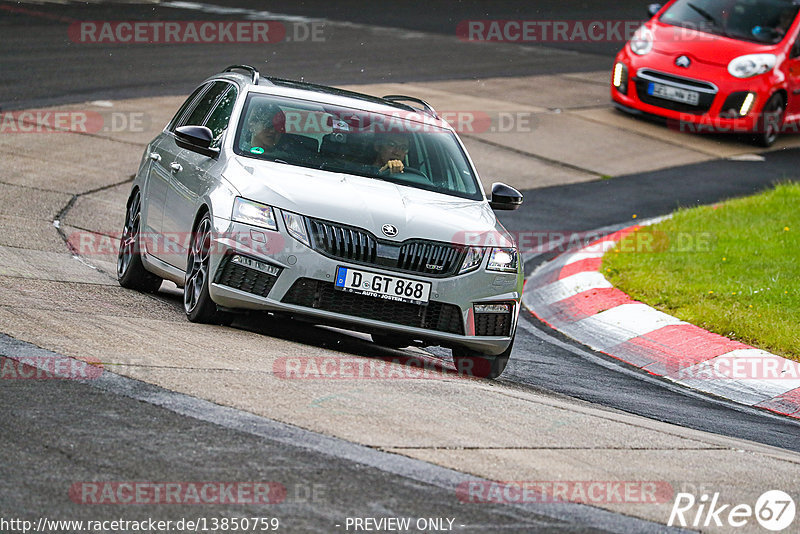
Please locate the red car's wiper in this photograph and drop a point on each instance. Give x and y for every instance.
(709, 18)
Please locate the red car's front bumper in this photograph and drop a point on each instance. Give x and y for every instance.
(721, 95)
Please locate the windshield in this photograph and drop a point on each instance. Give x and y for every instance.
(760, 21)
(396, 148)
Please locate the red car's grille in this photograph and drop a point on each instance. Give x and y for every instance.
(707, 91)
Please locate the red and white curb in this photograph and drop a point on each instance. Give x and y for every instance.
(572, 296)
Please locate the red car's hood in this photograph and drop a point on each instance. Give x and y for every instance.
(700, 46)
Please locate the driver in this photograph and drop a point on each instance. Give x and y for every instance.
(267, 126)
(391, 150)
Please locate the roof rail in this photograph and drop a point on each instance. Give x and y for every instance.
(253, 71)
(427, 108)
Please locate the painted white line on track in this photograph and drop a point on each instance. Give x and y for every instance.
(569, 287)
(625, 369)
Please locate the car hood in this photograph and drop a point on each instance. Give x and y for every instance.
(367, 203)
(703, 47)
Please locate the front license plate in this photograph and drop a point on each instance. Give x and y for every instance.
(675, 94)
(382, 286)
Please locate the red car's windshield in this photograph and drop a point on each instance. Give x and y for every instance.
(760, 21)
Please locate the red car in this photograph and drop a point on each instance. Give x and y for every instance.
(715, 66)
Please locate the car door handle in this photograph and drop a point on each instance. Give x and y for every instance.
(155, 156)
(176, 167)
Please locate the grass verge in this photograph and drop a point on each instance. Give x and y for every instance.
(731, 268)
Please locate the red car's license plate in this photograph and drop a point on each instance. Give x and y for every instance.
(675, 94)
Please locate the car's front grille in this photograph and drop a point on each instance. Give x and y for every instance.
(359, 246)
(323, 296)
(429, 258)
(671, 79)
(492, 324)
(343, 242)
(243, 278)
(707, 91)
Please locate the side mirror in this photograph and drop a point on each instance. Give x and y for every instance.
(652, 9)
(505, 197)
(197, 139)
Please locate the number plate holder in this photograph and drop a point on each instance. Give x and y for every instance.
(675, 94)
(381, 285)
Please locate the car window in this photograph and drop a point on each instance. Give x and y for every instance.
(351, 141)
(760, 21)
(217, 122)
(203, 105)
(174, 122)
(796, 48)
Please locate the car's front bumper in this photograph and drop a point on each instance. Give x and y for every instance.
(713, 114)
(296, 280)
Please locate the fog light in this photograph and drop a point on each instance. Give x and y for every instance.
(492, 308)
(620, 78)
(747, 105)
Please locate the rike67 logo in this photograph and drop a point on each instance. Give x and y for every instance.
(774, 510)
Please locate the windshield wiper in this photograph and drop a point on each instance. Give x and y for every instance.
(709, 18)
(705, 14)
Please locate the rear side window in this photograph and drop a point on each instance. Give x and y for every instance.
(203, 106)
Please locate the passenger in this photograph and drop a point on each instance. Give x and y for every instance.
(778, 29)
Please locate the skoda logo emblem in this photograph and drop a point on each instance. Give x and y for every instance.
(389, 230)
(683, 61)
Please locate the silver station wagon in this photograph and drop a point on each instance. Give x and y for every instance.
(327, 206)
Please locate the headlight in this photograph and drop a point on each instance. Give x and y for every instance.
(752, 65)
(503, 259)
(255, 213)
(642, 41)
(296, 226)
(473, 259)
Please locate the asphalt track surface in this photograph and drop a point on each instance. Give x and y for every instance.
(124, 435)
(579, 372)
(42, 66)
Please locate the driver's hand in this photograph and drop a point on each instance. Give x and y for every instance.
(393, 166)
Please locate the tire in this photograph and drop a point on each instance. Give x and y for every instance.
(390, 340)
(131, 273)
(473, 363)
(770, 123)
(197, 302)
